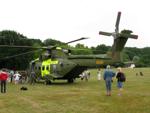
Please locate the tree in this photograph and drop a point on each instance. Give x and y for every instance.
(136, 59)
(52, 42)
(101, 49)
(8, 37)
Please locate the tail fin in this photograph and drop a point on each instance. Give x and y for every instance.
(119, 43)
(120, 39)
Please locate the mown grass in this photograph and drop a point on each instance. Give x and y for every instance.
(81, 96)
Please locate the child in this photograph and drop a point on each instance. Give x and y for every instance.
(99, 74)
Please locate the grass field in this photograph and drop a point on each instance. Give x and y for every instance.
(81, 96)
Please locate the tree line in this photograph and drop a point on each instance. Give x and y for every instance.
(19, 58)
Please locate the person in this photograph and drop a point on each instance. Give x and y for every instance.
(119, 80)
(141, 73)
(108, 74)
(99, 74)
(11, 76)
(86, 75)
(81, 76)
(32, 77)
(3, 78)
(17, 77)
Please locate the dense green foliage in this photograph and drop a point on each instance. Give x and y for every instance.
(6, 56)
(100, 49)
(52, 42)
(140, 56)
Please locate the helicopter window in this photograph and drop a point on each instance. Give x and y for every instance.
(58, 54)
(61, 64)
(40, 58)
(54, 68)
(43, 67)
(47, 67)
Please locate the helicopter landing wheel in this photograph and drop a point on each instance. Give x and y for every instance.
(71, 80)
(48, 82)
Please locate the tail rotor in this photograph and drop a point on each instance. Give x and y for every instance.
(120, 38)
(118, 34)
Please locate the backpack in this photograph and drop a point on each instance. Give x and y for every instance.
(122, 77)
(23, 88)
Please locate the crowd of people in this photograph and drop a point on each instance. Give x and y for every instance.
(9, 76)
(108, 75)
(14, 77)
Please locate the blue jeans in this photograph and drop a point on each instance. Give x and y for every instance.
(108, 85)
(119, 84)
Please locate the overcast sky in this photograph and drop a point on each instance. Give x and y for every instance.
(66, 20)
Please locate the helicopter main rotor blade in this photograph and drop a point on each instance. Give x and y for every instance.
(117, 22)
(29, 47)
(105, 33)
(76, 40)
(13, 46)
(8, 57)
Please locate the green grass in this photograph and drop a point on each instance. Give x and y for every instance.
(81, 96)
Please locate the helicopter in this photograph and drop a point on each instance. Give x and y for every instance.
(57, 63)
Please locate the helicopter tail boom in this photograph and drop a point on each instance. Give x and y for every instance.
(119, 43)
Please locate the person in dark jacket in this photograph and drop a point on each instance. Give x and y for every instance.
(3, 79)
(108, 74)
(119, 81)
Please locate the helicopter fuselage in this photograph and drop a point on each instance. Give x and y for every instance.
(69, 68)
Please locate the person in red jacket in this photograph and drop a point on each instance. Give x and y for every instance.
(3, 79)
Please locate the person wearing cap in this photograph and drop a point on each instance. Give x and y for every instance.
(108, 74)
(3, 79)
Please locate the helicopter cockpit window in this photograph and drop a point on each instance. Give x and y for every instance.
(40, 58)
(58, 54)
(47, 67)
(54, 68)
(43, 67)
(61, 64)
